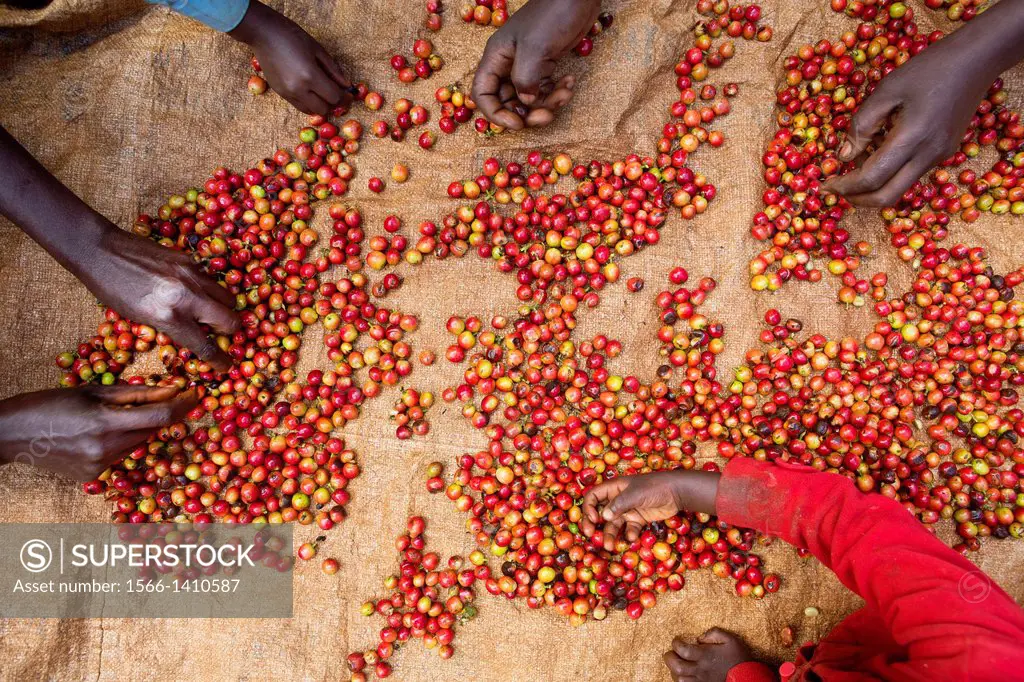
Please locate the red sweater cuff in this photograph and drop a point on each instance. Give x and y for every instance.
(751, 671)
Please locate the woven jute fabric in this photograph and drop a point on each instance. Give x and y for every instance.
(127, 105)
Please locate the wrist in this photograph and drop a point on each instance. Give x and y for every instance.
(83, 245)
(993, 40)
(250, 29)
(696, 490)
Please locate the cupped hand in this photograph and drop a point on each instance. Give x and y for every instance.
(297, 67)
(930, 101)
(630, 502)
(514, 85)
(79, 432)
(165, 289)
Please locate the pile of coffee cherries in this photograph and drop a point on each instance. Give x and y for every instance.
(262, 444)
(825, 83)
(252, 231)
(425, 600)
(558, 421)
(924, 409)
(945, 356)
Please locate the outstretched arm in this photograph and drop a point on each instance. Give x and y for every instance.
(880, 551)
(79, 432)
(138, 278)
(926, 594)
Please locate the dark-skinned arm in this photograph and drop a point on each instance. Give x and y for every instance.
(79, 432)
(138, 278)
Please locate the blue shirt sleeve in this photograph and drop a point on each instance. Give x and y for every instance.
(220, 15)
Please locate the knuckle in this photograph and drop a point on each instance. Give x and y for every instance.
(525, 80)
(205, 349)
(878, 199)
(163, 413)
(496, 42)
(857, 127)
(232, 323)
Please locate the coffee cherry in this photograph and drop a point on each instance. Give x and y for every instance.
(257, 86)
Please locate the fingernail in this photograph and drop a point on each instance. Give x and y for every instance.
(845, 150)
(521, 110)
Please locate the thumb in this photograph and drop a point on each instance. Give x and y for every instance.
(152, 415)
(190, 335)
(630, 498)
(868, 120)
(532, 77)
(131, 394)
(715, 636)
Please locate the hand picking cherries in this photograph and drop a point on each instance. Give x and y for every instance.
(825, 84)
(271, 453)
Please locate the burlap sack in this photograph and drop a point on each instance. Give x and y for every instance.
(146, 103)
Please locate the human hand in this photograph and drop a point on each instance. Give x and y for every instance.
(931, 100)
(514, 85)
(79, 432)
(165, 289)
(636, 501)
(297, 67)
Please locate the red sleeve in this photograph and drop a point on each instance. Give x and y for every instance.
(951, 619)
(751, 671)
